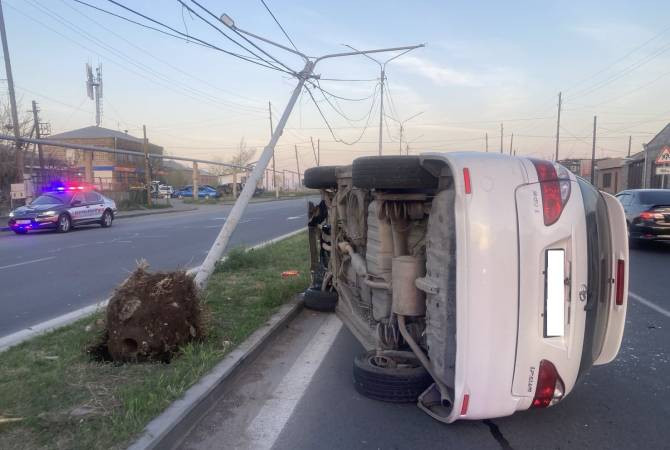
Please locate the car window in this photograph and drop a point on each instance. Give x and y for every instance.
(660, 197)
(624, 199)
(77, 197)
(92, 197)
(47, 200)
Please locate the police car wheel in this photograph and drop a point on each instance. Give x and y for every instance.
(21, 231)
(64, 223)
(106, 220)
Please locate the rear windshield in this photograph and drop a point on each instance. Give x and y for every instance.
(599, 254)
(655, 197)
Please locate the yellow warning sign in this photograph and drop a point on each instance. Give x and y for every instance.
(664, 156)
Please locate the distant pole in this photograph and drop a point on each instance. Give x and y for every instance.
(593, 152)
(147, 175)
(629, 142)
(501, 138)
(274, 173)
(316, 158)
(12, 99)
(40, 152)
(511, 141)
(318, 152)
(297, 163)
(558, 124)
(381, 107)
(487, 142)
(400, 145)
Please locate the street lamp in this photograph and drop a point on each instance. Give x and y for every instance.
(227, 21)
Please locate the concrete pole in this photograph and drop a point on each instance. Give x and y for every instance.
(274, 173)
(221, 242)
(381, 108)
(487, 142)
(40, 152)
(318, 152)
(147, 172)
(593, 152)
(297, 164)
(558, 124)
(234, 183)
(511, 141)
(88, 167)
(501, 138)
(316, 158)
(12, 99)
(195, 181)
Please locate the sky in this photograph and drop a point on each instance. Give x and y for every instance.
(484, 63)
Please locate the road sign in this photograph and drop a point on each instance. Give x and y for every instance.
(662, 170)
(18, 191)
(664, 156)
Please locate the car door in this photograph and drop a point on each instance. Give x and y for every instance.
(95, 205)
(78, 210)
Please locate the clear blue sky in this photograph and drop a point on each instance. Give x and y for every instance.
(485, 62)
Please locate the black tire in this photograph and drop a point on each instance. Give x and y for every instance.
(391, 172)
(19, 231)
(107, 219)
(64, 223)
(321, 177)
(401, 384)
(319, 300)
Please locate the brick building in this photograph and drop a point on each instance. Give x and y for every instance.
(110, 171)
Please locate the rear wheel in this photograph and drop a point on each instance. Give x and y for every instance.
(64, 223)
(20, 231)
(390, 376)
(107, 219)
(321, 177)
(391, 172)
(319, 300)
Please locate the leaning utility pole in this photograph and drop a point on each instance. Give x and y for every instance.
(274, 173)
(219, 246)
(593, 151)
(12, 98)
(501, 138)
(147, 174)
(40, 153)
(316, 158)
(297, 163)
(558, 124)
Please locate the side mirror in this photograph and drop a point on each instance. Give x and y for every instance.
(75, 203)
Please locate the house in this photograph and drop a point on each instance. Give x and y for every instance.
(609, 175)
(580, 167)
(109, 171)
(178, 175)
(648, 168)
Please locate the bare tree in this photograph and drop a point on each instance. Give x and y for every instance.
(8, 170)
(242, 157)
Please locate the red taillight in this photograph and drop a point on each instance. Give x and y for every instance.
(649, 215)
(620, 276)
(466, 180)
(464, 405)
(555, 190)
(550, 388)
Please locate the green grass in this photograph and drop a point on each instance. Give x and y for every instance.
(47, 380)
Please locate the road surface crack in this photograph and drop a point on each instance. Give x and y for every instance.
(497, 434)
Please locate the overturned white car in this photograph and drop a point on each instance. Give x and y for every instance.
(480, 284)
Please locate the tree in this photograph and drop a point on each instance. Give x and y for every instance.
(8, 172)
(242, 158)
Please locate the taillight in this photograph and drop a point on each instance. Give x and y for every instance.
(620, 275)
(555, 188)
(649, 215)
(550, 388)
(466, 180)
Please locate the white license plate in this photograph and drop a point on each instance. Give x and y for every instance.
(23, 222)
(554, 314)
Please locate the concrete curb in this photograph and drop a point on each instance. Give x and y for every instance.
(147, 213)
(18, 337)
(167, 429)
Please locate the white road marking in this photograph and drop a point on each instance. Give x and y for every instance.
(649, 304)
(295, 217)
(27, 262)
(263, 432)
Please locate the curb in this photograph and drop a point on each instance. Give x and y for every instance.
(139, 214)
(18, 337)
(167, 429)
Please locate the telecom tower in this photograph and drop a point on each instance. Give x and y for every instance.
(94, 90)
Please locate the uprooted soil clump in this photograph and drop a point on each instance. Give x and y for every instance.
(150, 316)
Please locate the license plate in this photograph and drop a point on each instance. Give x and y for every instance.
(23, 222)
(554, 303)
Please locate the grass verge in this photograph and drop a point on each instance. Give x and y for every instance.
(66, 401)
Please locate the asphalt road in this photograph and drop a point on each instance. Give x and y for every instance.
(299, 395)
(46, 274)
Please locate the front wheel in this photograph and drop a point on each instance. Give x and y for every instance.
(21, 231)
(107, 219)
(64, 223)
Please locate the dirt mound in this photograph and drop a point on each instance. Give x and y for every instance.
(151, 315)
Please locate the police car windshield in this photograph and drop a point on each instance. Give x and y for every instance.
(48, 199)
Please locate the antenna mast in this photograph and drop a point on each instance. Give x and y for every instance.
(94, 90)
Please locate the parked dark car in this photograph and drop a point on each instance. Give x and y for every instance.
(203, 192)
(647, 214)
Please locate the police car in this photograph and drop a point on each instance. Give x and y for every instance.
(63, 208)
